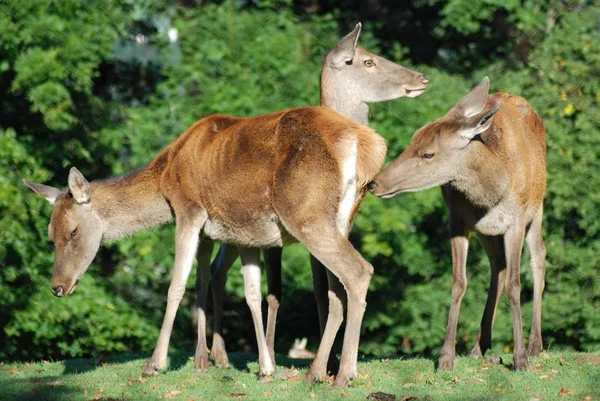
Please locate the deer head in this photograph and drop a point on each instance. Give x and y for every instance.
(438, 152)
(75, 228)
(358, 74)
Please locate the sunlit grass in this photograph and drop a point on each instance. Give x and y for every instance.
(568, 376)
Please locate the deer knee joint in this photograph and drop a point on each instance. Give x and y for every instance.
(273, 301)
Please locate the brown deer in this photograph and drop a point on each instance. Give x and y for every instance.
(489, 156)
(255, 182)
(351, 77)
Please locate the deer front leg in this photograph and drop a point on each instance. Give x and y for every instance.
(202, 280)
(186, 243)
(272, 258)
(251, 273)
(220, 267)
(460, 247)
(494, 248)
(513, 244)
(537, 249)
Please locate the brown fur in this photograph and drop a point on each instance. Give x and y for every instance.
(493, 181)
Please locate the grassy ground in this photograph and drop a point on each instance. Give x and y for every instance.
(568, 376)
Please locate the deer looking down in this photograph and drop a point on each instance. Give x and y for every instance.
(351, 77)
(489, 156)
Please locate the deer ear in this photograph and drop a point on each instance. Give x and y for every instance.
(474, 101)
(79, 187)
(344, 51)
(49, 193)
(479, 123)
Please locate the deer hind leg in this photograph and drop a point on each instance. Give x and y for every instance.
(202, 280)
(324, 289)
(220, 267)
(187, 232)
(460, 247)
(537, 249)
(513, 245)
(337, 300)
(272, 258)
(494, 248)
(251, 273)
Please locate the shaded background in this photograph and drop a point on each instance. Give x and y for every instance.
(105, 85)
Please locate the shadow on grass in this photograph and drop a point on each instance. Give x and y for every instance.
(48, 388)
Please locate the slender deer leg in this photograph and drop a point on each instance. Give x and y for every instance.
(339, 256)
(494, 248)
(186, 243)
(513, 244)
(220, 267)
(337, 301)
(323, 292)
(460, 247)
(272, 258)
(202, 279)
(251, 272)
(537, 249)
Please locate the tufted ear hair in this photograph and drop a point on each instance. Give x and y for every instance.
(79, 187)
(473, 102)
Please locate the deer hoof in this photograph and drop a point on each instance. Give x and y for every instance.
(341, 381)
(446, 362)
(312, 377)
(152, 369)
(521, 362)
(202, 363)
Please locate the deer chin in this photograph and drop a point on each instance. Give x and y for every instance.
(413, 93)
(72, 290)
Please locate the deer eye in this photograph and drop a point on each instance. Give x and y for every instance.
(74, 232)
(369, 63)
(428, 155)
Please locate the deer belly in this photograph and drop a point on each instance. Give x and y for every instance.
(263, 232)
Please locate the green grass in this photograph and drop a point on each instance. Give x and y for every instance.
(570, 376)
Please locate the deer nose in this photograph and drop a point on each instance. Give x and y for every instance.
(58, 291)
(424, 79)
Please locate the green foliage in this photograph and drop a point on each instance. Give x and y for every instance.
(103, 87)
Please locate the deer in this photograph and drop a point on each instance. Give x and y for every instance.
(351, 78)
(254, 182)
(488, 154)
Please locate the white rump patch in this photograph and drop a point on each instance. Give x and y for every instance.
(349, 180)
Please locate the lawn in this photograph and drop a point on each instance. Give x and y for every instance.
(553, 376)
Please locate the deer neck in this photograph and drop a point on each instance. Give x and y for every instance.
(334, 95)
(483, 178)
(130, 203)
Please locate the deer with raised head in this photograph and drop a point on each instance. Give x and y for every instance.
(489, 156)
(255, 182)
(351, 77)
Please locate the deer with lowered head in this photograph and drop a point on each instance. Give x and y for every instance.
(489, 156)
(350, 79)
(256, 182)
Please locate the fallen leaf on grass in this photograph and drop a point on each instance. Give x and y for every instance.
(344, 394)
(409, 397)
(312, 394)
(14, 371)
(587, 398)
(171, 394)
(267, 393)
(368, 384)
(561, 358)
(389, 374)
(46, 362)
(379, 396)
(155, 387)
(564, 390)
(545, 377)
(527, 388)
(536, 367)
(239, 395)
(191, 399)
